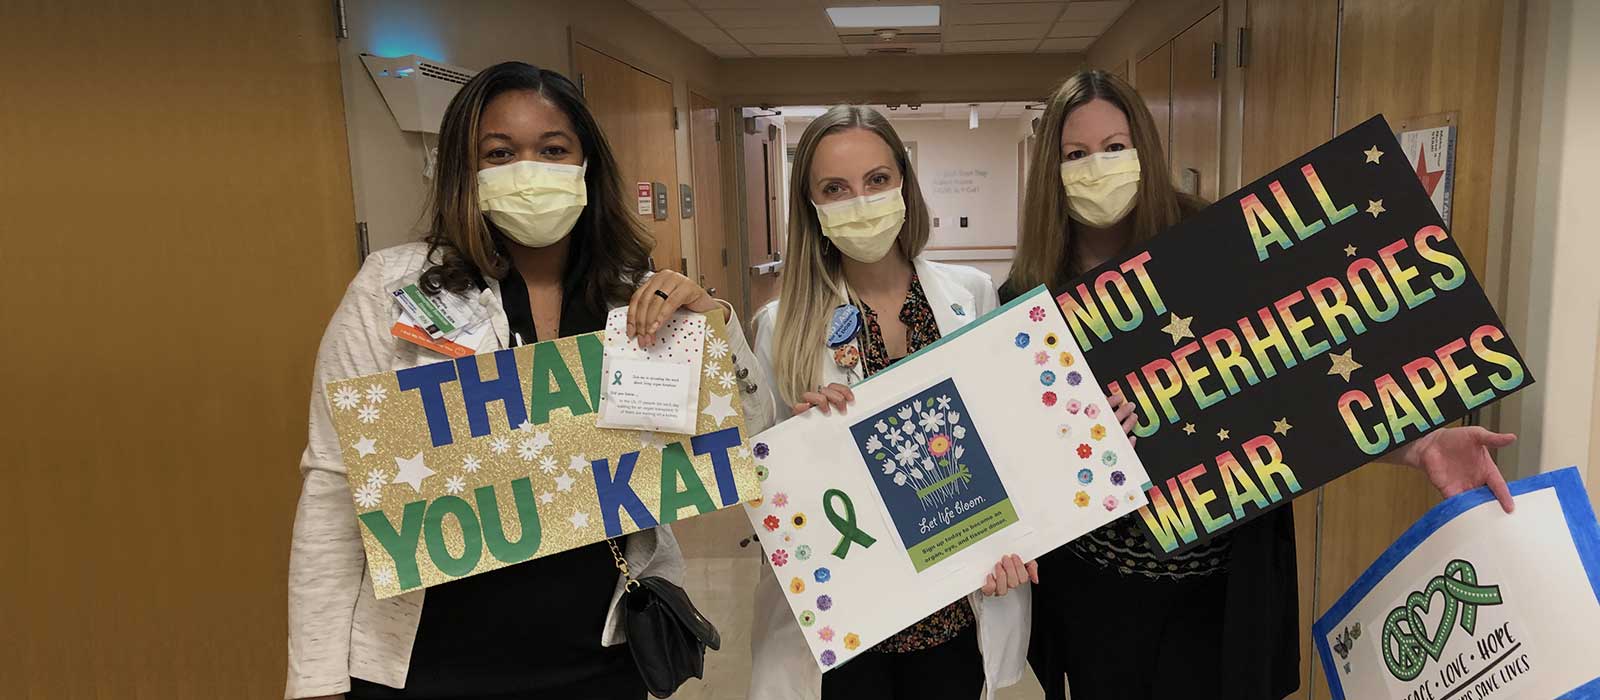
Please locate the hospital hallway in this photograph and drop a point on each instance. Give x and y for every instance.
(188, 189)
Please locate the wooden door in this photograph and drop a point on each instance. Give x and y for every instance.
(635, 110)
(711, 236)
(762, 165)
(1196, 146)
(1153, 80)
(1288, 110)
(178, 216)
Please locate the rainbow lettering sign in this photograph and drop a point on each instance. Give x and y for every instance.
(469, 465)
(1293, 331)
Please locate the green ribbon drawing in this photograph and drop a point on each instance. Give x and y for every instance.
(846, 525)
(616, 378)
(1404, 647)
(961, 474)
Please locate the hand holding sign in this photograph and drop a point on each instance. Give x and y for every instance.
(1359, 330)
(1457, 460)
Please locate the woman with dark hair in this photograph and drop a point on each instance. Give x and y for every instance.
(528, 220)
(1220, 620)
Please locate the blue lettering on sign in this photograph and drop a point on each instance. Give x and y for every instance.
(478, 394)
(717, 445)
(614, 491)
(428, 380)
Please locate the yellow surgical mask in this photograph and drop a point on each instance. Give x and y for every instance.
(1101, 188)
(865, 227)
(532, 202)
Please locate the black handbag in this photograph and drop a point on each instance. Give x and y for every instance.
(666, 634)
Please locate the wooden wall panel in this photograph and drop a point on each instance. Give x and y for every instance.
(178, 216)
(1152, 77)
(1197, 105)
(1408, 59)
(1288, 110)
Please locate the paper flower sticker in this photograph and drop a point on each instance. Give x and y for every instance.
(1073, 378)
(797, 586)
(803, 552)
(1021, 340)
(780, 557)
(1073, 406)
(1047, 377)
(822, 575)
(825, 634)
(762, 450)
(807, 618)
(1084, 450)
(770, 522)
(1111, 503)
(780, 499)
(1097, 432)
(1109, 458)
(1050, 340)
(1065, 359)
(824, 603)
(1117, 478)
(1049, 398)
(761, 472)
(1082, 501)
(1091, 411)
(1041, 357)
(1036, 313)
(828, 658)
(852, 641)
(798, 520)
(1084, 477)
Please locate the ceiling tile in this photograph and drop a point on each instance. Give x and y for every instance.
(1021, 46)
(746, 4)
(728, 50)
(662, 4)
(1001, 13)
(833, 49)
(991, 32)
(784, 35)
(707, 35)
(1070, 28)
(1066, 45)
(1095, 10)
(744, 18)
(684, 19)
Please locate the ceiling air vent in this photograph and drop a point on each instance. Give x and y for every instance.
(891, 51)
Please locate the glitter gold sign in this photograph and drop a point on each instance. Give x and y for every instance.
(468, 465)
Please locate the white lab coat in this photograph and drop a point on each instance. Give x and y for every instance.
(782, 667)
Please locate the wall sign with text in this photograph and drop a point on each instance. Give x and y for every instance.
(1293, 331)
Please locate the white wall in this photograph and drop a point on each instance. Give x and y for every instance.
(1554, 291)
(971, 173)
(386, 163)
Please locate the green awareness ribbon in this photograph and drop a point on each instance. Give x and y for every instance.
(1406, 649)
(845, 525)
(616, 378)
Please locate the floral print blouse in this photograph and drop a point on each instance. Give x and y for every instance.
(921, 330)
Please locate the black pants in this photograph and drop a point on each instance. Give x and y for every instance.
(951, 671)
(1127, 637)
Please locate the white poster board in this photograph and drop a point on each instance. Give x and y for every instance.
(1472, 603)
(994, 440)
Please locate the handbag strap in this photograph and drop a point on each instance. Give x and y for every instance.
(622, 565)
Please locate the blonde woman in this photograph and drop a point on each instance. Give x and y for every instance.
(1219, 621)
(856, 297)
(528, 220)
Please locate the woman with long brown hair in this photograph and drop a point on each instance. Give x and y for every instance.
(858, 296)
(1219, 621)
(528, 221)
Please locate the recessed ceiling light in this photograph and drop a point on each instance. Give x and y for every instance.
(892, 16)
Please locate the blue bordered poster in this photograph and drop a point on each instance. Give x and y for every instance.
(1474, 604)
